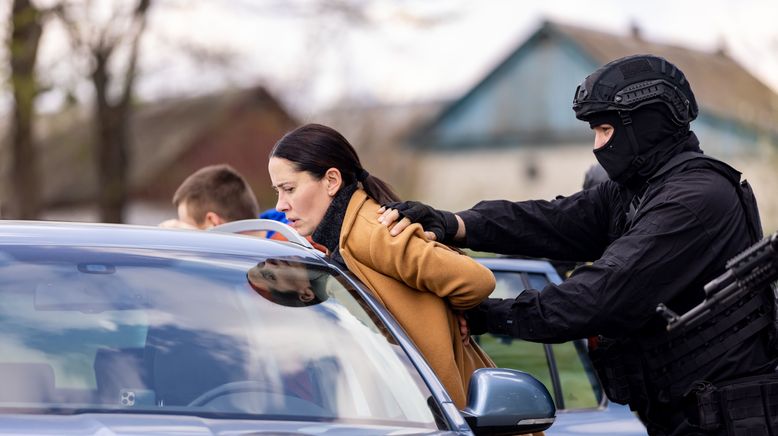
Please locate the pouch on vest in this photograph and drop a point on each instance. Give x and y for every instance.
(620, 371)
(744, 406)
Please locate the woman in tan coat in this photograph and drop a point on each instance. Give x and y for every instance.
(326, 193)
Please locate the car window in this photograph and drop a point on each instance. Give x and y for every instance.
(508, 284)
(211, 335)
(537, 281)
(565, 368)
(507, 352)
(580, 388)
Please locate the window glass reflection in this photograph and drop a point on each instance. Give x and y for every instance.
(509, 285)
(537, 281)
(114, 329)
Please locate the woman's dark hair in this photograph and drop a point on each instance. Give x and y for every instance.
(316, 148)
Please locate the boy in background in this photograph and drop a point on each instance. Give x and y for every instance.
(213, 195)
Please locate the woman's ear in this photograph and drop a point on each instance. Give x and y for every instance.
(334, 181)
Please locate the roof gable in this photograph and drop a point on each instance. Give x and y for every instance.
(526, 98)
(721, 86)
(540, 73)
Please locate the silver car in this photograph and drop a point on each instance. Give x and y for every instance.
(109, 329)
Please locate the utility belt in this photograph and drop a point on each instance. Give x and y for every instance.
(746, 406)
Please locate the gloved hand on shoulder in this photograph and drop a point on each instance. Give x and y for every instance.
(440, 222)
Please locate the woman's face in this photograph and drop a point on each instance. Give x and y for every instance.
(301, 197)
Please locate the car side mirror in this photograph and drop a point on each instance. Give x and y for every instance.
(505, 401)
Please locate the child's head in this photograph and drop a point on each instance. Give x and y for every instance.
(214, 195)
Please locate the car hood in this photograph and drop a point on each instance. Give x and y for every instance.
(138, 424)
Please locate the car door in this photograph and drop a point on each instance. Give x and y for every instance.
(565, 369)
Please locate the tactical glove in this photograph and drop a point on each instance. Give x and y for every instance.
(493, 315)
(477, 320)
(440, 222)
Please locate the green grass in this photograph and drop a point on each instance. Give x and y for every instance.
(530, 357)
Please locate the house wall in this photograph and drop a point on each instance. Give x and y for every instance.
(527, 99)
(456, 181)
(243, 140)
(136, 212)
(514, 136)
(725, 139)
(761, 171)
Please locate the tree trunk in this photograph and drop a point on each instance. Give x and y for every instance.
(111, 147)
(24, 195)
(113, 121)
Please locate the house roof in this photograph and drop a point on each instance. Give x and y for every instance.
(164, 130)
(379, 126)
(724, 89)
(160, 133)
(721, 85)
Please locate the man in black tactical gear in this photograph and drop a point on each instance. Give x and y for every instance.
(664, 224)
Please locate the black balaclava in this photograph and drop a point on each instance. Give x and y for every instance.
(658, 139)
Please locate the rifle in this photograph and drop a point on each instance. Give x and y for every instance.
(754, 268)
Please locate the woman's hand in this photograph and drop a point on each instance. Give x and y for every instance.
(396, 224)
(464, 331)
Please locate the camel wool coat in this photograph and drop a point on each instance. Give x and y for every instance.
(421, 283)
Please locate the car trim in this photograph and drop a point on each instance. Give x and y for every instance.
(536, 421)
(263, 225)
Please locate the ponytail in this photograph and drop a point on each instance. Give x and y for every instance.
(316, 148)
(379, 190)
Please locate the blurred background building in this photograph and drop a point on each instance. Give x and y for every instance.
(517, 122)
(110, 105)
(170, 139)
(513, 134)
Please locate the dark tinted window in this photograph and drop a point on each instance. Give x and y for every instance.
(537, 281)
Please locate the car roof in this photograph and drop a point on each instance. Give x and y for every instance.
(147, 237)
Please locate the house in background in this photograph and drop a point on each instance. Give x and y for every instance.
(515, 136)
(378, 132)
(170, 140)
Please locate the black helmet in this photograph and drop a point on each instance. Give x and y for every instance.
(630, 82)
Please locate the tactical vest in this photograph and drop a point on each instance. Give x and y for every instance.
(672, 361)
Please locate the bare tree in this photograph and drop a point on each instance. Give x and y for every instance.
(25, 33)
(101, 43)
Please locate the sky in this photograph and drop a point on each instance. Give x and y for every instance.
(404, 51)
(394, 60)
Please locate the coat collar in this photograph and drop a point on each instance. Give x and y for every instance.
(327, 233)
(359, 198)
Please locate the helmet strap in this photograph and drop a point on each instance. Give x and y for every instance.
(626, 121)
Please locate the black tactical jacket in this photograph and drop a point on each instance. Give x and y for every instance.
(688, 225)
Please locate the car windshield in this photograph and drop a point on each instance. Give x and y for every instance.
(125, 330)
